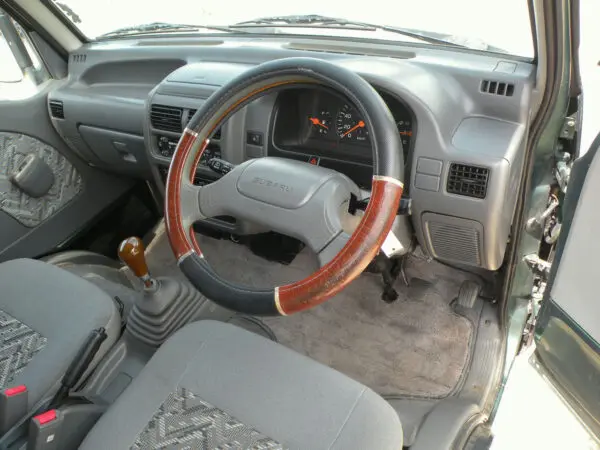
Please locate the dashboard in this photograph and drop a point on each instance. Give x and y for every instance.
(320, 126)
(462, 117)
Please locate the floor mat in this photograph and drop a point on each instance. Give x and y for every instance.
(416, 346)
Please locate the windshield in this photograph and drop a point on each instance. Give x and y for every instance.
(479, 24)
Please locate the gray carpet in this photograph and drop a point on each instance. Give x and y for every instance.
(416, 346)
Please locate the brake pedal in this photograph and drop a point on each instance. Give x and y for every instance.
(468, 293)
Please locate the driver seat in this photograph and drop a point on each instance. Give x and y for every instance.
(213, 385)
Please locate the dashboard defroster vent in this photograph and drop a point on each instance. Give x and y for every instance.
(78, 58)
(166, 118)
(467, 180)
(497, 88)
(56, 109)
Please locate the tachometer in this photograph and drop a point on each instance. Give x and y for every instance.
(349, 125)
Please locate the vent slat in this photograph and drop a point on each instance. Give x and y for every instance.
(217, 134)
(467, 180)
(56, 109)
(78, 58)
(497, 88)
(166, 118)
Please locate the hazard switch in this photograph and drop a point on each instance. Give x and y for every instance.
(314, 160)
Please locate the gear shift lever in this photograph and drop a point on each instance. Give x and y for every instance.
(131, 252)
(165, 305)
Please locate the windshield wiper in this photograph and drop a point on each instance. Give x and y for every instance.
(164, 27)
(318, 21)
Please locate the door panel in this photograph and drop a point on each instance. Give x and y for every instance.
(568, 328)
(31, 227)
(576, 281)
(32, 211)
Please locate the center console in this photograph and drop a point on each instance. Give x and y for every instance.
(166, 126)
(169, 108)
(166, 119)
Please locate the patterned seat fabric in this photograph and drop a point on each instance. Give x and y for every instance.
(18, 346)
(216, 386)
(184, 420)
(46, 315)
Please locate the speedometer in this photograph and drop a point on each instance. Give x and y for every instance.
(349, 126)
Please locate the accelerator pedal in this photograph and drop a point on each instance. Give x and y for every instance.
(468, 293)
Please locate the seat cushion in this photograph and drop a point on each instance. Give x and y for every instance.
(214, 385)
(46, 315)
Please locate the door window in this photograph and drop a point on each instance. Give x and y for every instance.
(10, 72)
(21, 69)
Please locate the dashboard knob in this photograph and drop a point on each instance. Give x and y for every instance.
(164, 146)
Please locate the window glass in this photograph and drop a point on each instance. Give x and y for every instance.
(9, 69)
(486, 25)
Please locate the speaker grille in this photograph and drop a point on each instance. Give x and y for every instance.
(455, 242)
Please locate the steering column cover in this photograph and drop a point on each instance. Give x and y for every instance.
(366, 240)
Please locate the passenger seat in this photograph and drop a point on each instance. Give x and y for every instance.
(46, 316)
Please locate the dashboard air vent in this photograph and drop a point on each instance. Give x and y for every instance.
(78, 58)
(166, 118)
(191, 112)
(56, 109)
(497, 88)
(467, 180)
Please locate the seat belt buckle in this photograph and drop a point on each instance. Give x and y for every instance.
(43, 430)
(13, 406)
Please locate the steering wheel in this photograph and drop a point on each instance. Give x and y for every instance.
(291, 197)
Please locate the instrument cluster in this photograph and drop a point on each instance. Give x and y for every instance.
(348, 125)
(322, 127)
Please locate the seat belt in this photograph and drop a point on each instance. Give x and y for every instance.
(13, 406)
(19, 429)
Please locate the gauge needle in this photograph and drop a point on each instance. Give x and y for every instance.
(317, 122)
(360, 124)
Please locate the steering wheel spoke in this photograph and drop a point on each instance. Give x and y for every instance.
(330, 251)
(190, 200)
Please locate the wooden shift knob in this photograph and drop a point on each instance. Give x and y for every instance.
(131, 252)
